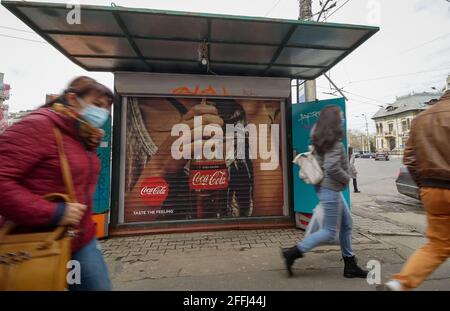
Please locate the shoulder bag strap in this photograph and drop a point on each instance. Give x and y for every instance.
(68, 183)
(65, 167)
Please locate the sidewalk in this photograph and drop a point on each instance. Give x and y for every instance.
(250, 260)
(186, 261)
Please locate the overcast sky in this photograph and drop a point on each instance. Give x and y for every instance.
(410, 53)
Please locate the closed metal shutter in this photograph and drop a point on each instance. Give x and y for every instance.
(159, 187)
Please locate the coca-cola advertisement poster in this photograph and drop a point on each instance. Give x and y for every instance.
(202, 158)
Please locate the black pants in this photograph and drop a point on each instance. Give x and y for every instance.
(355, 185)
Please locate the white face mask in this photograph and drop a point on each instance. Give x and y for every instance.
(94, 115)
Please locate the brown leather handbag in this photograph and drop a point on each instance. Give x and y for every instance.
(38, 261)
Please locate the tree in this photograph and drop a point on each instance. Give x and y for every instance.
(356, 139)
(373, 146)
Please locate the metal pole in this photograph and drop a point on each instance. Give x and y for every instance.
(397, 137)
(367, 133)
(362, 144)
(306, 14)
(305, 9)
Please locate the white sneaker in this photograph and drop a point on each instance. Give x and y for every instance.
(391, 286)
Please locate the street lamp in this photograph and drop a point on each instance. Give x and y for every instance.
(367, 131)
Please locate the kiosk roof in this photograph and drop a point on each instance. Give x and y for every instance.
(142, 40)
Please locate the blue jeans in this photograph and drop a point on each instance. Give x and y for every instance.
(334, 207)
(94, 273)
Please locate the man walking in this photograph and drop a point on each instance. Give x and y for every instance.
(427, 156)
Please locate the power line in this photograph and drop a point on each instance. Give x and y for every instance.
(337, 9)
(368, 98)
(399, 75)
(272, 8)
(425, 43)
(17, 29)
(364, 102)
(355, 100)
(375, 100)
(19, 38)
(324, 8)
(411, 49)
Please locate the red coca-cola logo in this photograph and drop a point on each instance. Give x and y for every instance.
(154, 191)
(208, 179)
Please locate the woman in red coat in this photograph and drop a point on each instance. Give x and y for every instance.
(30, 168)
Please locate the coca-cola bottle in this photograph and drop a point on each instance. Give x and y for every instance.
(208, 181)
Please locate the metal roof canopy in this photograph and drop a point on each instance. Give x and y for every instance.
(128, 39)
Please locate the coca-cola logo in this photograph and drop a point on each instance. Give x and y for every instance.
(162, 190)
(208, 179)
(154, 191)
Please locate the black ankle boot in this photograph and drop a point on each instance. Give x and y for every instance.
(290, 255)
(352, 270)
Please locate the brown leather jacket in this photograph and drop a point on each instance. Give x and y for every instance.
(427, 153)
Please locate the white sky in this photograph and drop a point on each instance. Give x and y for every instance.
(410, 53)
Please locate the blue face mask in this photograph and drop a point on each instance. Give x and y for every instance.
(92, 114)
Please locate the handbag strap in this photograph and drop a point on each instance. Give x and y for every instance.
(68, 183)
(65, 167)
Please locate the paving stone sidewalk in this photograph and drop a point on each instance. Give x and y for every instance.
(129, 249)
(143, 248)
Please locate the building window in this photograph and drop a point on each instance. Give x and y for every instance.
(391, 127)
(408, 121)
(392, 144)
(404, 126)
(381, 128)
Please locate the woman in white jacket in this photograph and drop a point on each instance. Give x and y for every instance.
(352, 169)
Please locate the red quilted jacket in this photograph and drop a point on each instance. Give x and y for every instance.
(30, 168)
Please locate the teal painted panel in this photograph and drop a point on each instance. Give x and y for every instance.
(103, 191)
(304, 116)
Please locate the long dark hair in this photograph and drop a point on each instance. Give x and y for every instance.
(328, 129)
(82, 86)
(350, 152)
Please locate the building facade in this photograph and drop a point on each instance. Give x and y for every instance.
(393, 122)
(4, 96)
(15, 117)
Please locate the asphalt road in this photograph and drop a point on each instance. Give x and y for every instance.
(377, 179)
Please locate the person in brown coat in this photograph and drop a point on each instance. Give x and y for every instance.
(427, 156)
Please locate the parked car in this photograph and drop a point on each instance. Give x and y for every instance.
(357, 154)
(382, 156)
(367, 155)
(406, 185)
